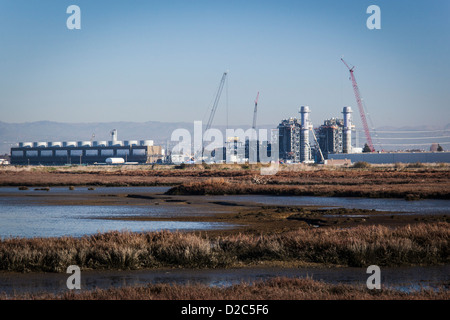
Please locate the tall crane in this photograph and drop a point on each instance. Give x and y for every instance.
(360, 107)
(255, 112)
(214, 108)
(216, 101)
(254, 135)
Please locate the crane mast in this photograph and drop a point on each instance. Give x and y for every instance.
(360, 107)
(216, 101)
(318, 146)
(255, 112)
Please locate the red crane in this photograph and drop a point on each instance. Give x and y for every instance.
(360, 107)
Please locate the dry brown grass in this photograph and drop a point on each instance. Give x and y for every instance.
(273, 289)
(330, 190)
(361, 246)
(426, 181)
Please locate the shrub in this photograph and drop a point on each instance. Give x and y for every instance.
(361, 165)
(416, 165)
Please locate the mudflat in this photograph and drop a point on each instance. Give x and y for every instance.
(417, 181)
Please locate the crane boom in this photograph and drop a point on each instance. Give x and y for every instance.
(360, 107)
(318, 146)
(216, 101)
(255, 112)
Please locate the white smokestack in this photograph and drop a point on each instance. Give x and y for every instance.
(347, 132)
(305, 149)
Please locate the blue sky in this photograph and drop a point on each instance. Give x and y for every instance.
(163, 60)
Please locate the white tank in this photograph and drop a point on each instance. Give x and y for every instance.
(55, 144)
(132, 143)
(102, 143)
(114, 136)
(26, 144)
(86, 143)
(114, 160)
(70, 144)
(41, 144)
(147, 143)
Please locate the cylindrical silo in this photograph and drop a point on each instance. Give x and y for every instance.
(132, 143)
(86, 143)
(114, 136)
(305, 151)
(147, 143)
(115, 160)
(70, 144)
(55, 144)
(347, 132)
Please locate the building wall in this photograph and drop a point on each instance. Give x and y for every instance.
(289, 140)
(83, 155)
(330, 136)
(393, 157)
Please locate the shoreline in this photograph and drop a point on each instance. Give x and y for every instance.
(411, 183)
(405, 280)
(265, 236)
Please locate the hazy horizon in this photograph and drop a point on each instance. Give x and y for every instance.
(163, 61)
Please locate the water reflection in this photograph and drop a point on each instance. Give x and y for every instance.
(402, 278)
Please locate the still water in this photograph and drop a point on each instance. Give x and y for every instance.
(427, 206)
(23, 215)
(28, 217)
(406, 279)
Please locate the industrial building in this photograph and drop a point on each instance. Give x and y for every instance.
(335, 135)
(330, 136)
(294, 145)
(289, 140)
(86, 152)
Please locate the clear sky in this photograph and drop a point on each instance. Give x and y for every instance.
(163, 60)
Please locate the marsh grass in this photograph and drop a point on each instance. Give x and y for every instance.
(273, 289)
(271, 187)
(425, 244)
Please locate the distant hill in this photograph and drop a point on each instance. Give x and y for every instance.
(160, 132)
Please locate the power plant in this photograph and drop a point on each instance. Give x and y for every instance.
(330, 141)
(334, 136)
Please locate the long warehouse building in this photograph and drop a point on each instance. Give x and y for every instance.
(85, 152)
